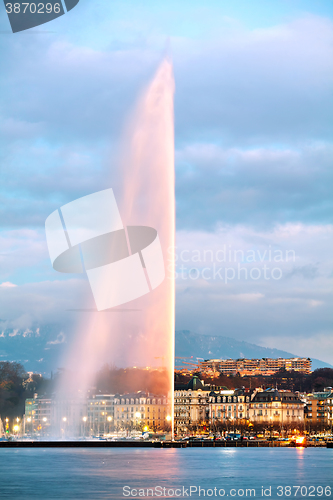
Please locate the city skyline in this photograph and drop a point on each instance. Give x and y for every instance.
(165, 248)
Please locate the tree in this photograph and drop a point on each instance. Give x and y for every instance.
(12, 397)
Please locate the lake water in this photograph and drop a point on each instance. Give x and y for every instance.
(94, 474)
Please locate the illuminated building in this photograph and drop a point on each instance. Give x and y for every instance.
(248, 367)
(276, 407)
(319, 409)
(191, 404)
(98, 415)
(229, 405)
(141, 410)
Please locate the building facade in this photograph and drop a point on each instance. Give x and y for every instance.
(264, 366)
(191, 404)
(137, 410)
(273, 407)
(319, 410)
(229, 406)
(199, 405)
(98, 415)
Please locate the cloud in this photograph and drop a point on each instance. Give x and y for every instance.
(24, 256)
(253, 162)
(261, 86)
(45, 302)
(259, 187)
(14, 333)
(308, 272)
(320, 346)
(297, 305)
(7, 284)
(61, 338)
(251, 106)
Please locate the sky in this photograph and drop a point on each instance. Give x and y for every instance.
(253, 157)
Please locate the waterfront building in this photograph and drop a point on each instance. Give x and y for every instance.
(97, 415)
(53, 416)
(248, 367)
(319, 409)
(191, 404)
(229, 406)
(200, 405)
(38, 414)
(142, 410)
(274, 407)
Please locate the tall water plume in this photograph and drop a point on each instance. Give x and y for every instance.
(149, 196)
(140, 333)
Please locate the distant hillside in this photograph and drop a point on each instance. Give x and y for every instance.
(209, 347)
(41, 348)
(38, 348)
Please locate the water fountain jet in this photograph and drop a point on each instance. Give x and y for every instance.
(146, 199)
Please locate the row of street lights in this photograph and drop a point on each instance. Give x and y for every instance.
(17, 427)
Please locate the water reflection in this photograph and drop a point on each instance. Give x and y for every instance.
(102, 473)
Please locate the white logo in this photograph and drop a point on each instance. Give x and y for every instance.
(122, 263)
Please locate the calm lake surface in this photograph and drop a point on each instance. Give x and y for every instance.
(99, 473)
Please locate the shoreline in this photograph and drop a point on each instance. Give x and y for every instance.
(156, 444)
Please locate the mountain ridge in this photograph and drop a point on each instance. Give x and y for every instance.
(41, 348)
(219, 347)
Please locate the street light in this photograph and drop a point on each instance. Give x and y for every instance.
(29, 427)
(64, 419)
(84, 419)
(109, 419)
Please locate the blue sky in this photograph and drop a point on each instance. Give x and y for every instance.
(253, 151)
